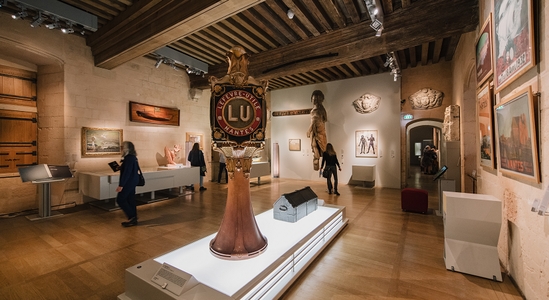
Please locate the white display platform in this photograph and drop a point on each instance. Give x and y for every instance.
(472, 224)
(260, 168)
(364, 174)
(102, 185)
(291, 248)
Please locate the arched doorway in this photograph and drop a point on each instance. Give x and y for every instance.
(418, 135)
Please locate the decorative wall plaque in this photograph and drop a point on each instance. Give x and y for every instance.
(426, 98)
(366, 103)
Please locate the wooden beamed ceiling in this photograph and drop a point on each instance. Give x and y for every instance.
(326, 40)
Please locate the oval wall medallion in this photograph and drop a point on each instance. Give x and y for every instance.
(367, 103)
(426, 98)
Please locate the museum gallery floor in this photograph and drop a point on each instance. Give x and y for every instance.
(382, 253)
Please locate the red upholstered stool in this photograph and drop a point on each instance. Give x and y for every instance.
(415, 200)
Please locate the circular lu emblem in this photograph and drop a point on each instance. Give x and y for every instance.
(238, 113)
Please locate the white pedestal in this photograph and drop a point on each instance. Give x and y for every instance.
(292, 247)
(364, 174)
(260, 168)
(472, 224)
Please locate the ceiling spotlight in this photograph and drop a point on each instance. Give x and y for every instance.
(3, 3)
(37, 20)
(54, 24)
(158, 62)
(388, 61)
(378, 33)
(290, 14)
(20, 15)
(68, 29)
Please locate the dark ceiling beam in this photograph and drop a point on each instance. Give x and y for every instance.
(160, 25)
(357, 42)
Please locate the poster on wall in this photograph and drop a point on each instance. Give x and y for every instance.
(513, 40)
(366, 142)
(516, 136)
(484, 52)
(485, 121)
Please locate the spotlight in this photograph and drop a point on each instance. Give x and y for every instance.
(68, 29)
(37, 20)
(158, 62)
(378, 33)
(20, 15)
(290, 14)
(3, 3)
(388, 61)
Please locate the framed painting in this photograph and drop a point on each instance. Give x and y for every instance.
(485, 121)
(295, 144)
(484, 52)
(366, 142)
(146, 113)
(516, 136)
(195, 138)
(101, 141)
(514, 46)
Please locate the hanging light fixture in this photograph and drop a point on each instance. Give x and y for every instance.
(68, 28)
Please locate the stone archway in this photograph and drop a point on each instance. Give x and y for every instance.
(437, 124)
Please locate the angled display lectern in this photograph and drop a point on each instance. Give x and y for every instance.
(43, 175)
(472, 223)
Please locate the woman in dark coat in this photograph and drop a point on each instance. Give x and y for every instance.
(196, 157)
(329, 157)
(127, 183)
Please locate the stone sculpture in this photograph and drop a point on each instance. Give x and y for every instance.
(367, 103)
(426, 98)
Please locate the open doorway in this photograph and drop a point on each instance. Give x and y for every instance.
(424, 151)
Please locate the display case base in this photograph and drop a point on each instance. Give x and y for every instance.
(292, 247)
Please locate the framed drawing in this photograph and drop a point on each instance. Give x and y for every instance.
(484, 52)
(513, 40)
(101, 141)
(516, 136)
(485, 121)
(366, 142)
(195, 138)
(146, 113)
(295, 144)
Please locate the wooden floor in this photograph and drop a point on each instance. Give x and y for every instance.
(383, 253)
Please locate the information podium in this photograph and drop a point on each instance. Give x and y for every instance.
(444, 185)
(43, 175)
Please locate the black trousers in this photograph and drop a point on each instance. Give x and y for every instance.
(333, 172)
(126, 201)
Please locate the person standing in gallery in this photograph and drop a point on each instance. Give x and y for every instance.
(317, 130)
(222, 168)
(128, 181)
(196, 157)
(329, 158)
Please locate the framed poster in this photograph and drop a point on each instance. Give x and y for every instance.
(484, 52)
(516, 136)
(101, 141)
(366, 142)
(195, 138)
(513, 40)
(485, 121)
(146, 113)
(295, 144)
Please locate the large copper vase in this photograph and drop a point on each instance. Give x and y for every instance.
(238, 236)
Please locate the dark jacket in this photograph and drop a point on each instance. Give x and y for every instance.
(197, 160)
(128, 172)
(329, 160)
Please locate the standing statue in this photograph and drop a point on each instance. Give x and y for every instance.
(317, 130)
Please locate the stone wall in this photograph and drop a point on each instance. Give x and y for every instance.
(73, 93)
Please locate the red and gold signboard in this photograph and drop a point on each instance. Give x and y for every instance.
(238, 114)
